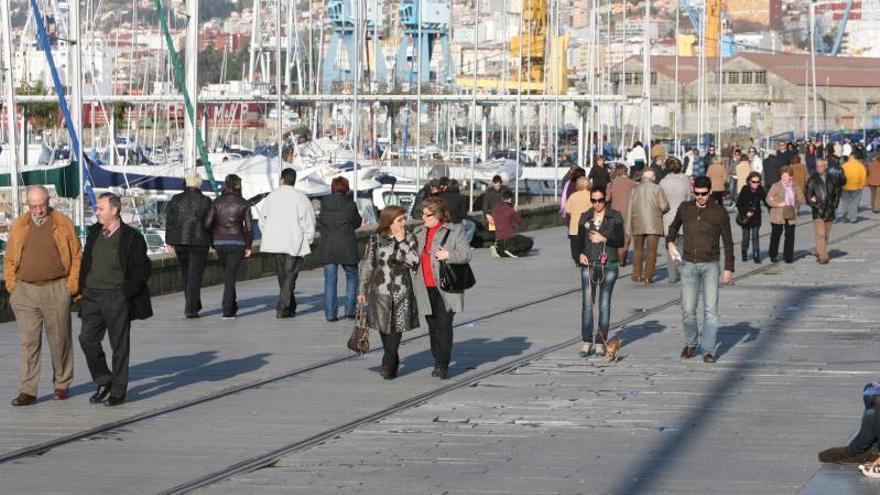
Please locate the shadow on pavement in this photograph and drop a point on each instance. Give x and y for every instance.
(157, 367)
(466, 355)
(644, 476)
(633, 333)
(206, 372)
(731, 335)
(263, 304)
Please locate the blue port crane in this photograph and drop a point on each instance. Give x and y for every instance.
(343, 22)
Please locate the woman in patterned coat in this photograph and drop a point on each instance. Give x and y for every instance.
(386, 287)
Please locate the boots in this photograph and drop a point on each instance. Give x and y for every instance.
(757, 257)
(745, 255)
(842, 455)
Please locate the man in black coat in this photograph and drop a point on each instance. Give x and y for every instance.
(113, 281)
(187, 235)
(458, 207)
(772, 165)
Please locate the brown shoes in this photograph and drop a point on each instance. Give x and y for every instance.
(688, 352)
(708, 358)
(24, 399)
(61, 394)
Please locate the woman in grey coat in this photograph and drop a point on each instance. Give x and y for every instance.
(439, 241)
(386, 286)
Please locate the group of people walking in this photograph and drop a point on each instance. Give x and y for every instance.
(397, 281)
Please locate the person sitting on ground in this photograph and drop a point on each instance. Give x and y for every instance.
(508, 243)
(859, 448)
(491, 199)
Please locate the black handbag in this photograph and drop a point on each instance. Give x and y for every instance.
(742, 220)
(455, 277)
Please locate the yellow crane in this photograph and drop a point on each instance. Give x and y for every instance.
(531, 47)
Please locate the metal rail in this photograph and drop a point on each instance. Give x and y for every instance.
(482, 99)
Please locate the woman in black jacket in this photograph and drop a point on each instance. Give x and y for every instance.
(230, 223)
(748, 206)
(338, 220)
(600, 233)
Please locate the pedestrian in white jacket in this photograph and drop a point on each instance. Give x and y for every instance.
(287, 221)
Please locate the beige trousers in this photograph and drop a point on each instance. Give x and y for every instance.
(35, 307)
(822, 230)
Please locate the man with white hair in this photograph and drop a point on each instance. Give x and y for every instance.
(41, 271)
(643, 221)
(189, 238)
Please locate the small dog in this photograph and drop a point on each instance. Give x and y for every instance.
(613, 349)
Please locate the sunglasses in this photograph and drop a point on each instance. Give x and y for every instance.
(427, 215)
(595, 201)
(700, 194)
(754, 182)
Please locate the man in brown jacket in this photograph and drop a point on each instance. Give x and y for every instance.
(41, 271)
(717, 173)
(619, 191)
(644, 222)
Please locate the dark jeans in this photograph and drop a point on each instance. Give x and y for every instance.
(230, 257)
(192, 264)
(439, 329)
(106, 311)
(518, 245)
(868, 433)
(751, 234)
(351, 286)
(390, 344)
(597, 285)
(288, 271)
(788, 247)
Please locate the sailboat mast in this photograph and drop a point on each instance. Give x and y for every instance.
(192, 62)
(9, 89)
(75, 82)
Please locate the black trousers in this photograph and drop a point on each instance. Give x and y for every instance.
(106, 311)
(288, 271)
(439, 329)
(718, 197)
(390, 345)
(518, 245)
(575, 248)
(191, 260)
(230, 257)
(776, 230)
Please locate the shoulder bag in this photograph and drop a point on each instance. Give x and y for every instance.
(359, 342)
(455, 277)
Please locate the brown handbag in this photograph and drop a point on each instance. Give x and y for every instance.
(789, 213)
(359, 342)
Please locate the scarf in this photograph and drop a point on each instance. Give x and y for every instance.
(789, 193)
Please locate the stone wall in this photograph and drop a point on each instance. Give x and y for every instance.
(166, 275)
